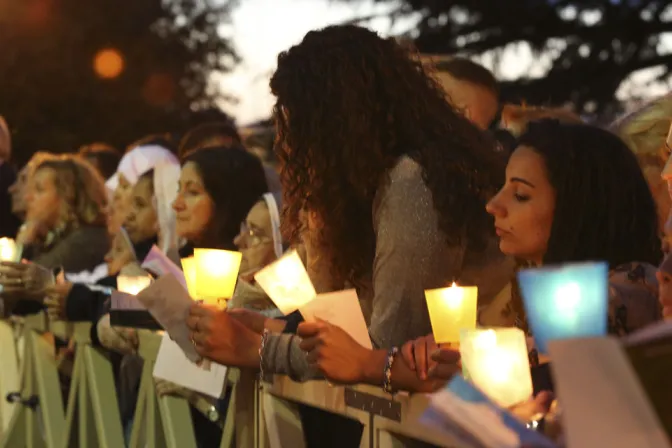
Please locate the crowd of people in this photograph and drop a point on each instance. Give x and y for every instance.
(391, 174)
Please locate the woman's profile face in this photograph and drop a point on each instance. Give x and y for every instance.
(255, 240)
(142, 222)
(194, 207)
(523, 209)
(44, 204)
(119, 255)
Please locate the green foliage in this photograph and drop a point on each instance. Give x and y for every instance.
(52, 96)
(594, 45)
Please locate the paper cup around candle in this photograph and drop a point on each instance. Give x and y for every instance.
(216, 274)
(9, 250)
(569, 301)
(451, 310)
(189, 270)
(132, 284)
(287, 283)
(498, 363)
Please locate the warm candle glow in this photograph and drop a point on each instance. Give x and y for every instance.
(133, 284)
(287, 283)
(451, 310)
(9, 250)
(497, 362)
(569, 301)
(189, 270)
(216, 274)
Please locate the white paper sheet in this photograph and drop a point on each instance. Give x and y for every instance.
(172, 365)
(604, 405)
(342, 309)
(122, 301)
(169, 302)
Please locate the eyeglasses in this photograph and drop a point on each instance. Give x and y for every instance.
(254, 237)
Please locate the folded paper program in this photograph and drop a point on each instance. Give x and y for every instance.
(158, 263)
(169, 302)
(465, 412)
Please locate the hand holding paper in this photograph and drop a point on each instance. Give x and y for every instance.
(169, 303)
(341, 309)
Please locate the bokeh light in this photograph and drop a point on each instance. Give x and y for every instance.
(108, 63)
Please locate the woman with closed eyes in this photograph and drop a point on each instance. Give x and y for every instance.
(573, 193)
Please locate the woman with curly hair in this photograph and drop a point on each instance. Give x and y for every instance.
(65, 226)
(386, 184)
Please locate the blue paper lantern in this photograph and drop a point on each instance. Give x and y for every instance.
(564, 302)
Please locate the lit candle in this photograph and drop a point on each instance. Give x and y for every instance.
(216, 274)
(287, 283)
(569, 301)
(451, 310)
(133, 284)
(9, 250)
(498, 363)
(189, 270)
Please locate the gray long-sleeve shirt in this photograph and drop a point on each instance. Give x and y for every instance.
(411, 255)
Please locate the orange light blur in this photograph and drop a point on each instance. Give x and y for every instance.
(108, 63)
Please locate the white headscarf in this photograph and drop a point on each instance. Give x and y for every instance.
(166, 178)
(138, 161)
(5, 141)
(273, 202)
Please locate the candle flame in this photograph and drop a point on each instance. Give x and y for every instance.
(454, 285)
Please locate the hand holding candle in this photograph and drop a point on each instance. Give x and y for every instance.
(451, 310)
(498, 363)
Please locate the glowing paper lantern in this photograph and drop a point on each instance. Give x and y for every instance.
(287, 283)
(498, 363)
(569, 301)
(133, 284)
(216, 274)
(9, 250)
(451, 310)
(189, 269)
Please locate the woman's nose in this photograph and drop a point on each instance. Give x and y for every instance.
(178, 203)
(494, 207)
(239, 241)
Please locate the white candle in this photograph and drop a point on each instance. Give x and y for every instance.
(133, 284)
(497, 362)
(287, 283)
(9, 250)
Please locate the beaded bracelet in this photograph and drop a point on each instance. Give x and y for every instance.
(264, 337)
(387, 371)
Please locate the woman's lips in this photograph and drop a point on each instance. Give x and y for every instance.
(501, 232)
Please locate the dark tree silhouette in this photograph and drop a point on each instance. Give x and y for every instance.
(75, 71)
(594, 44)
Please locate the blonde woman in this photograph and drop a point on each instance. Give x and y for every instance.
(644, 131)
(64, 228)
(515, 118)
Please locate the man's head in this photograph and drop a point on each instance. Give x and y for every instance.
(472, 88)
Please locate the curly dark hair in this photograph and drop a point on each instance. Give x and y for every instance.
(349, 104)
(604, 209)
(235, 181)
